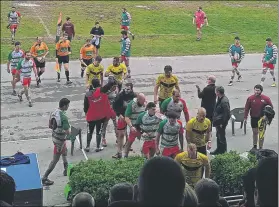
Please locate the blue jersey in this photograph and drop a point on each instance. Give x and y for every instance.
(270, 53)
(236, 50)
(125, 19)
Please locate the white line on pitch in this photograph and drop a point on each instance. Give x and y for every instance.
(41, 21)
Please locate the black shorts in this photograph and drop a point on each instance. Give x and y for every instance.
(39, 64)
(63, 59)
(87, 62)
(254, 122)
(97, 46)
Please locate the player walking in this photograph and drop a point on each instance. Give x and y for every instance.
(39, 51)
(269, 60)
(171, 130)
(25, 67)
(13, 59)
(199, 19)
(126, 51)
(87, 54)
(63, 50)
(94, 71)
(166, 82)
(126, 21)
(147, 124)
(237, 53)
(14, 19)
(118, 70)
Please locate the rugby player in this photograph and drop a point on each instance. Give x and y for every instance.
(170, 130)
(14, 57)
(39, 51)
(269, 60)
(193, 164)
(63, 50)
(94, 71)
(126, 51)
(147, 124)
(126, 21)
(14, 20)
(25, 67)
(87, 55)
(166, 83)
(236, 53)
(118, 71)
(97, 32)
(199, 19)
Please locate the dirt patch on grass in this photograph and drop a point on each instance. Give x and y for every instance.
(190, 6)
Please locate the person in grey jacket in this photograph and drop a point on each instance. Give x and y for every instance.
(221, 116)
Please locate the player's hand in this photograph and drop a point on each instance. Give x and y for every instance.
(267, 62)
(121, 117)
(158, 151)
(37, 78)
(245, 121)
(8, 70)
(197, 87)
(133, 129)
(209, 145)
(69, 53)
(155, 100)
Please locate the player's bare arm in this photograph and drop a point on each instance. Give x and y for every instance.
(207, 170)
(157, 142)
(156, 88)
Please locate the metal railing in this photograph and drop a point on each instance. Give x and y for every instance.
(232, 200)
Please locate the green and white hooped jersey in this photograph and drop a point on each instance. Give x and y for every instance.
(148, 124)
(271, 54)
(58, 133)
(15, 57)
(26, 67)
(133, 111)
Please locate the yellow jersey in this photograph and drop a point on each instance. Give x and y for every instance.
(192, 168)
(167, 85)
(94, 72)
(198, 130)
(118, 71)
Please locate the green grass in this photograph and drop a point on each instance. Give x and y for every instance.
(165, 29)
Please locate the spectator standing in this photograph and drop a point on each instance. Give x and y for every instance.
(255, 104)
(208, 96)
(267, 182)
(163, 189)
(198, 131)
(221, 116)
(83, 199)
(97, 32)
(69, 29)
(61, 128)
(7, 189)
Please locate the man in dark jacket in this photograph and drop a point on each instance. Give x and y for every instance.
(221, 116)
(69, 29)
(97, 32)
(208, 96)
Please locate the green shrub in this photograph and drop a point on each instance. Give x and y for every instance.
(228, 169)
(98, 176)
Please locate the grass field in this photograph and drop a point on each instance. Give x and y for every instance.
(162, 28)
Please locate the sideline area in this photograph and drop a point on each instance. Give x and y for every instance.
(26, 129)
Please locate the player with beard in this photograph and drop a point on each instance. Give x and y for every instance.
(14, 57)
(120, 104)
(25, 68)
(133, 110)
(39, 51)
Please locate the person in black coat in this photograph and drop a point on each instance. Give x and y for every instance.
(208, 96)
(97, 32)
(221, 117)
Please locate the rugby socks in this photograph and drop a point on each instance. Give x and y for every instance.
(40, 73)
(67, 73)
(58, 76)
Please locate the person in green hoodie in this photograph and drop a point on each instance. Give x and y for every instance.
(126, 21)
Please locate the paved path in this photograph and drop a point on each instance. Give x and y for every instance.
(26, 129)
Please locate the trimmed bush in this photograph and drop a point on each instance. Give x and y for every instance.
(228, 169)
(98, 176)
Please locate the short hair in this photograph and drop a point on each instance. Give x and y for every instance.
(220, 89)
(97, 23)
(121, 192)
(237, 38)
(150, 105)
(212, 78)
(200, 7)
(83, 199)
(7, 188)
(98, 58)
(172, 115)
(13, 7)
(175, 91)
(258, 86)
(68, 18)
(165, 188)
(190, 198)
(27, 51)
(167, 68)
(95, 83)
(267, 181)
(207, 191)
(88, 40)
(64, 102)
(130, 85)
(17, 43)
(268, 39)
(124, 32)
(116, 59)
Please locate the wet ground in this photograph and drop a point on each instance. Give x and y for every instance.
(26, 129)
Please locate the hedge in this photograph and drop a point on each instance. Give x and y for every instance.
(227, 170)
(98, 176)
